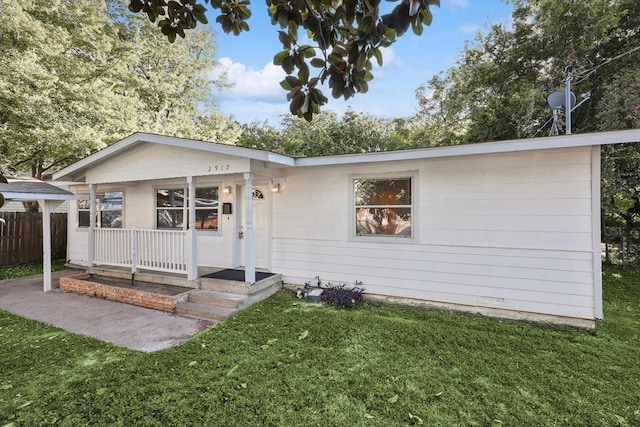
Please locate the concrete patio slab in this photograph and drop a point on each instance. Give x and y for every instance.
(125, 325)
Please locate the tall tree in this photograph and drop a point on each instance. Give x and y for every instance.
(325, 135)
(497, 89)
(78, 75)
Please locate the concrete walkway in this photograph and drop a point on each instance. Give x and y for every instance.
(125, 325)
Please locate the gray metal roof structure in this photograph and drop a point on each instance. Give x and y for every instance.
(33, 189)
(47, 196)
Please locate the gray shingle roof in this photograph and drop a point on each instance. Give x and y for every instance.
(33, 189)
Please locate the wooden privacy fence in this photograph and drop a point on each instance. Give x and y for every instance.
(21, 237)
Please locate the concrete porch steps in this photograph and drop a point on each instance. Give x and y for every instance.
(242, 288)
(220, 299)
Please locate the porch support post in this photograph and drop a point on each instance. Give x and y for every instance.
(46, 244)
(249, 237)
(92, 224)
(192, 235)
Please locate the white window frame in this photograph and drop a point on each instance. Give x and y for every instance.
(185, 207)
(385, 238)
(99, 197)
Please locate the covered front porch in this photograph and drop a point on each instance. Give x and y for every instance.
(174, 249)
(173, 211)
(172, 205)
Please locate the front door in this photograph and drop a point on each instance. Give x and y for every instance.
(260, 226)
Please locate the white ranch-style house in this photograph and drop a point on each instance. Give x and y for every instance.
(505, 228)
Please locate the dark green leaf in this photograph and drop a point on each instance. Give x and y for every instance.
(293, 82)
(200, 16)
(287, 64)
(317, 62)
(293, 93)
(416, 26)
(285, 85)
(280, 56)
(303, 73)
(284, 39)
(308, 51)
(296, 103)
(427, 17)
(378, 54)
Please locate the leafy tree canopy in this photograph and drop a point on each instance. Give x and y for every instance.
(327, 134)
(79, 75)
(346, 36)
(497, 90)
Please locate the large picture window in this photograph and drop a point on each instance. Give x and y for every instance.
(172, 208)
(108, 208)
(383, 207)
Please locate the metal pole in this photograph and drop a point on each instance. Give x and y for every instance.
(567, 97)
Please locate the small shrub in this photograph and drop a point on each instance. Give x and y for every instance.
(341, 296)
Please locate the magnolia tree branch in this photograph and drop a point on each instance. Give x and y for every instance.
(349, 34)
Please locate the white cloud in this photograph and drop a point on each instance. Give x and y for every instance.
(249, 83)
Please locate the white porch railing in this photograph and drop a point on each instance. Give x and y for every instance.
(158, 250)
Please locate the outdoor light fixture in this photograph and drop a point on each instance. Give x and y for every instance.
(226, 190)
(275, 188)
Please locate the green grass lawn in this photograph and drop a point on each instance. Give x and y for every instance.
(22, 270)
(287, 363)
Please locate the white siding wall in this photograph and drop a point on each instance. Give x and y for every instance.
(509, 231)
(156, 161)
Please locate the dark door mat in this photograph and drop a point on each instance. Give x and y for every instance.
(237, 275)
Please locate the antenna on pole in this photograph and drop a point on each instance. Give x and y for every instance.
(558, 103)
(563, 101)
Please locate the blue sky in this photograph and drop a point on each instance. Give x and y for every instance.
(408, 63)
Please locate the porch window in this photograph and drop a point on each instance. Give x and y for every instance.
(108, 209)
(207, 208)
(172, 210)
(383, 207)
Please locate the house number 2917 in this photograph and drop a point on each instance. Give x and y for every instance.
(218, 168)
